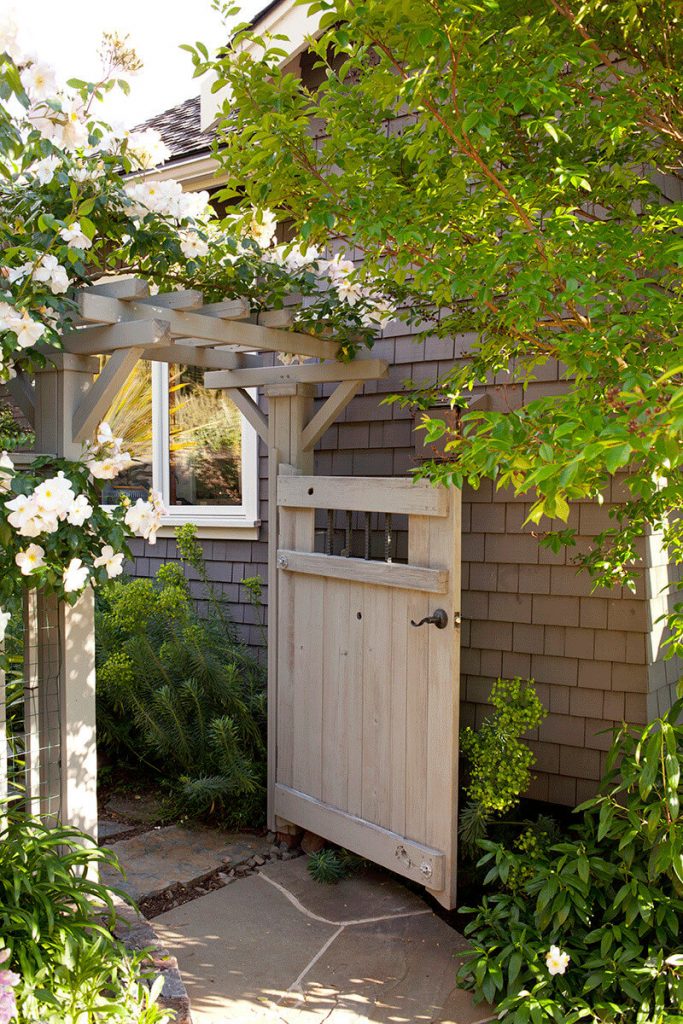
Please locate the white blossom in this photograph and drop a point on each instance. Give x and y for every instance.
(147, 149)
(27, 330)
(349, 291)
(79, 511)
(292, 257)
(44, 170)
(39, 80)
(111, 560)
(24, 516)
(50, 271)
(5, 477)
(262, 227)
(167, 199)
(380, 314)
(339, 267)
(75, 576)
(144, 517)
(191, 245)
(74, 236)
(32, 558)
(9, 37)
(557, 961)
(4, 623)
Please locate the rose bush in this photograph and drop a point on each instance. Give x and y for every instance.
(73, 210)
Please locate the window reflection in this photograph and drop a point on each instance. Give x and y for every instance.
(130, 417)
(205, 465)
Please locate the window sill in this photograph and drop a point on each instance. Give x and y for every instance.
(213, 527)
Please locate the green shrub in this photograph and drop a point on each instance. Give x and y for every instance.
(329, 866)
(610, 897)
(178, 694)
(56, 921)
(499, 762)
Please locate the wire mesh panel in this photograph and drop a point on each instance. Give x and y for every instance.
(30, 694)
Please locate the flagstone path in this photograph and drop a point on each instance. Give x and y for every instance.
(277, 948)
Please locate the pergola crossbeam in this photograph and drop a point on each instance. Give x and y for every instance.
(194, 355)
(188, 298)
(93, 406)
(126, 288)
(88, 341)
(305, 373)
(102, 309)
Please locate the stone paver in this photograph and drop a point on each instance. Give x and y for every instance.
(110, 829)
(158, 859)
(277, 948)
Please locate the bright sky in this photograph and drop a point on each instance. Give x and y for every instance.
(67, 35)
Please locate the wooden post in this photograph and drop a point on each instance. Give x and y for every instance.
(59, 390)
(289, 411)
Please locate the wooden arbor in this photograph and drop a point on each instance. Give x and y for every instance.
(121, 320)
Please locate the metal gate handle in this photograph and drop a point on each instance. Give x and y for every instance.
(438, 619)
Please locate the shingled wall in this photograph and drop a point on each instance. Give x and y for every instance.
(525, 610)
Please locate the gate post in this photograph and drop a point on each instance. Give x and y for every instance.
(59, 388)
(289, 411)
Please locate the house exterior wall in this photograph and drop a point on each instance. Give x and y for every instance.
(595, 656)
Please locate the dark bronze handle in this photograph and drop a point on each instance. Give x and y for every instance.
(438, 619)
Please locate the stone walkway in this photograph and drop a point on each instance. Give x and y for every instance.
(277, 948)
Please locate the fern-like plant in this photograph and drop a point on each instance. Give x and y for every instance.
(179, 695)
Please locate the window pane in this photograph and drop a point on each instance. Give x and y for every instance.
(130, 417)
(205, 451)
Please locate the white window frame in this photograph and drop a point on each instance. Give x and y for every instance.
(211, 520)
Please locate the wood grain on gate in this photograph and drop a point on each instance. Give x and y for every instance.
(367, 711)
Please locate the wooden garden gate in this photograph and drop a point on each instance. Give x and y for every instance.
(367, 690)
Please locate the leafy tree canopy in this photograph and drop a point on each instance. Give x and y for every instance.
(511, 171)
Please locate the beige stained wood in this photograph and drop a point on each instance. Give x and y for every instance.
(102, 309)
(368, 703)
(330, 410)
(335, 686)
(442, 709)
(95, 403)
(381, 574)
(31, 703)
(363, 494)
(126, 288)
(303, 373)
(417, 668)
(22, 391)
(376, 737)
(192, 355)
(381, 845)
(186, 298)
(109, 338)
(251, 412)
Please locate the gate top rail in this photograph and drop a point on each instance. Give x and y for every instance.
(363, 494)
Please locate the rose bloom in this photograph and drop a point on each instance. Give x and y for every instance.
(111, 560)
(32, 558)
(557, 961)
(75, 576)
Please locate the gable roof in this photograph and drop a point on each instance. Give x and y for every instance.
(180, 129)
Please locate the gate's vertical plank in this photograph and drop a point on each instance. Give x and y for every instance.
(285, 654)
(400, 624)
(376, 750)
(335, 718)
(354, 705)
(444, 701)
(308, 622)
(417, 671)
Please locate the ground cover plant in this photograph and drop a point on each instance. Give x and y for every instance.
(61, 962)
(178, 696)
(589, 928)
